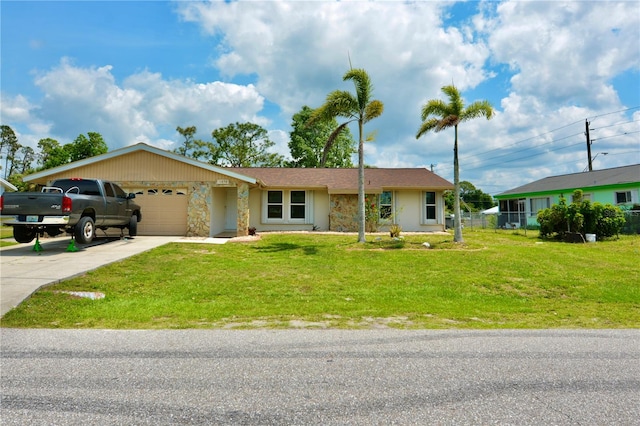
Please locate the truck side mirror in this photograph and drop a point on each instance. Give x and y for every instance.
(131, 196)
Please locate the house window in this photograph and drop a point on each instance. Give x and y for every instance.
(298, 205)
(538, 204)
(386, 205)
(274, 205)
(287, 207)
(430, 205)
(623, 197)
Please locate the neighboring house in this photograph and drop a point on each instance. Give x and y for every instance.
(618, 186)
(6, 186)
(183, 196)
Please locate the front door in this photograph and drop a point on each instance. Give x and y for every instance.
(231, 209)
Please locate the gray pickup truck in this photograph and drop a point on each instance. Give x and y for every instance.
(77, 206)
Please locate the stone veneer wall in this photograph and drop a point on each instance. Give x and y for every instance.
(199, 210)
(343, 213)
(243, 210)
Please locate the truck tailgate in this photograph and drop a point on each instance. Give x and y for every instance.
(31, 206)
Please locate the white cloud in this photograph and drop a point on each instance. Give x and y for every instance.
(560, 58)
(566, 52)
(145, 107)
(15, 109)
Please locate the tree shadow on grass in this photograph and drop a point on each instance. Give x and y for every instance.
(279, 247)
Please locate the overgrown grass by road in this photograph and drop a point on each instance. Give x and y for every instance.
(495, 280)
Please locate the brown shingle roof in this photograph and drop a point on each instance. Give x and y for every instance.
(345, 181)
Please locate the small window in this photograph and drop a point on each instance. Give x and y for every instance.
(152, 191)
(297, 206)
(538, 204)
(167, 192)
(274, 205)
(623, 197)
(430, 205)
(386, 205)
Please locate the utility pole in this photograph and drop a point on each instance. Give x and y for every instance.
(586, 122)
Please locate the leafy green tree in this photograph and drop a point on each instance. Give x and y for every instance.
(24, 160)
(307, 142)
(83, 147)
(438, 115)
(9, 146)
(243, 145)
(192, 147)
(358, 108)
(52, 154)
(475, 199)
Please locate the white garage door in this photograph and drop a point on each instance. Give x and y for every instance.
(164, 211)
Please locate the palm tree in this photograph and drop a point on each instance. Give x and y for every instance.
(360, 108)
(437, 116)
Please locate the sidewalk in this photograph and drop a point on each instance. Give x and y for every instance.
(23, 270)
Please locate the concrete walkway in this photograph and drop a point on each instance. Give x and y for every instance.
(23, 270)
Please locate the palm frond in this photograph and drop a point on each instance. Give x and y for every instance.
(446, 122)
(363, 85)
(427, 126)
(455, 99)
(372, 110)
(434, 107)
(330, 140)
(477, 109)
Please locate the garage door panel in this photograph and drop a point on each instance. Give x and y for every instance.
(164, 212)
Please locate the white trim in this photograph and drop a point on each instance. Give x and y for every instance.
(286, 208)
(6, 184)
(423, 208)
(136, 148)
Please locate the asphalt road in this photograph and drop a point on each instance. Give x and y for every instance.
(320, 377)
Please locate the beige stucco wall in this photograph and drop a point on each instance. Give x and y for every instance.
(408, 207)
(339, 212)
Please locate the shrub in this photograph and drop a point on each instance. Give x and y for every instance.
(553, 220)
(395, 230)
(610, 221)
(580, 216)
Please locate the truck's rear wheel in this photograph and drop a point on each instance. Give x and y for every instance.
(133, 226)
(22, 234)
(85, 230)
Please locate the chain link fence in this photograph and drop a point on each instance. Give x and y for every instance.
(515, 220)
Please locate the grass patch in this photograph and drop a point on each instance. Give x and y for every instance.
(6, 236)
(495, 280)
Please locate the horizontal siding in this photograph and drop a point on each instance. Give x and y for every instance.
(142, 167)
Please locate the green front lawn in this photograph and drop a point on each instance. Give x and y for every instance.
(498, 279)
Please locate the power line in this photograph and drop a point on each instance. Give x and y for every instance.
(525, 158)
(475, 155)
(615, 124)
(615, 136)
(614, 112)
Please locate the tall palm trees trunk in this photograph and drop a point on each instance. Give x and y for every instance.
(457, 219)
(361, 208)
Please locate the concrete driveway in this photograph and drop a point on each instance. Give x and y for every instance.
(23, 270)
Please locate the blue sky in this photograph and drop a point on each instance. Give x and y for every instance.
(133, 71)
